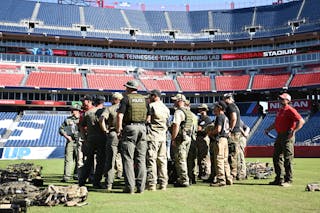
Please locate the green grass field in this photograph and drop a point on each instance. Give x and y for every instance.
(244, 196)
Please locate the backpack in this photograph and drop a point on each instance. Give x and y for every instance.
(72, 195)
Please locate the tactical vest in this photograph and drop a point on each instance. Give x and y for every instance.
(188, 124)
(136, 109)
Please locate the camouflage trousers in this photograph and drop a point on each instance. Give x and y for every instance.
(283, 156)
(70, 160)
(242, 168)
(233, 145)
(192, 161)
(80, 153)
(221, 157)
(181, 151)
(118, 165)
(203, 156)
(157, 164)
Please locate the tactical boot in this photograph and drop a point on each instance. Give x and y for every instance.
(163, 187)
(286, 184)
(152, 188)
(98, 186)
(276, 182)
(177, 184)
(219, 184)
(129, 191)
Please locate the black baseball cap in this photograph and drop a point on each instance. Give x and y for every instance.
(87, 97)
(221, 104)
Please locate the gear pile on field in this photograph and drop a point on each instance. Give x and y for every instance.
(22, 172)
(311, 187)
(20, 188)
(259, 170)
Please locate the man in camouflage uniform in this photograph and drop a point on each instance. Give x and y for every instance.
(69, 130)
(93, 144)
(132, 115)
(233, 114)
(108, 121)
(181, 139)
(156, 138)
(203, 142)
(192, 155)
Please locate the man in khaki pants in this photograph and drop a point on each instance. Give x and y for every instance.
(156, 137)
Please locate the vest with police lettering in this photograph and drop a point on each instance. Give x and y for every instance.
(136, 109)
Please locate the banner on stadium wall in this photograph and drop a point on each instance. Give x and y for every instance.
(156, 57)
(300, 105)
(12, 102)
(49, 103)
(270, 53)
(12, 153)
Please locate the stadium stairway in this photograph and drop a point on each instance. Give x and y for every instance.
(24, 80)
(254, 128)
(84, 81)
(176, 84)
(15, 123)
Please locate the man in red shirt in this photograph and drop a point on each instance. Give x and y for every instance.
(288, 121)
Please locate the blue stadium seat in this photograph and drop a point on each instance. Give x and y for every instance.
(37, 131)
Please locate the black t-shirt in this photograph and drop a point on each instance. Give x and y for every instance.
(203, 122)
(221, 120)
(229, 110)
(123, 105)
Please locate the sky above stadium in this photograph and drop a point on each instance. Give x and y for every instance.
(179, 4)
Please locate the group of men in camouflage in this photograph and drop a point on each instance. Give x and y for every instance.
(136, 126)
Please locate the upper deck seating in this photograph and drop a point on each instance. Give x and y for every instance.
(232, 83)
(195, 83)
(305, 79)
(54, 80)
(10, 79)
(109, 82)
(269, 81)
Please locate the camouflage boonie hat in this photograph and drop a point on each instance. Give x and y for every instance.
(132, 84)
(76, 107)
(179, 97)
(204, 106)
(117, 95)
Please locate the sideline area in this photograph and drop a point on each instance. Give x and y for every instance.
(244, 196)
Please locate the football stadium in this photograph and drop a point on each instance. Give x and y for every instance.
(52, 55)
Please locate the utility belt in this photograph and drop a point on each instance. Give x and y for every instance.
(111, 130)
(221, 136)
(137, 123)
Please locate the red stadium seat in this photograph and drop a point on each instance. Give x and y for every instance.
(269, 81)
(8, 79)
(196, 83)
(54, 80)
(232, 83)
(305, 79)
